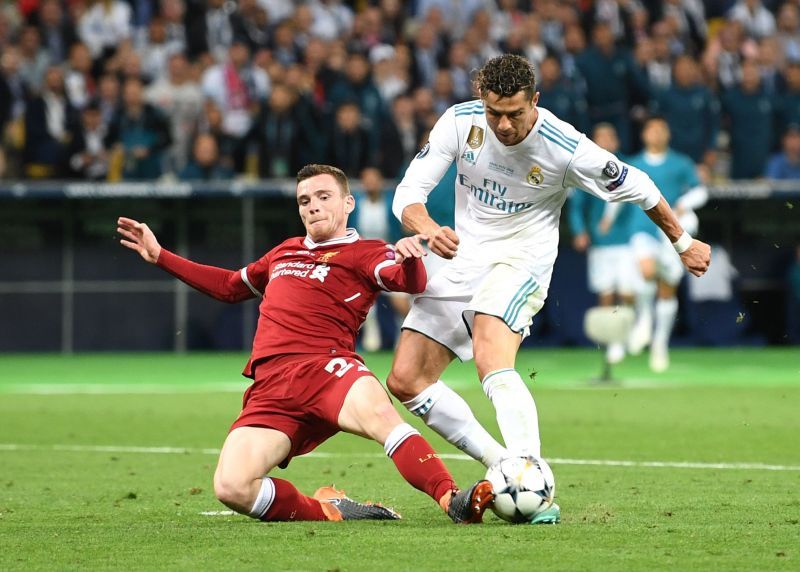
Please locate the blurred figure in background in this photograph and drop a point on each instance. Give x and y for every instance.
(558, 95)
(676, 177)
(786, 164)
(49, 118)
(140, 135)
(88, 157)
(612, 269)
(350, 144)
(204, 165)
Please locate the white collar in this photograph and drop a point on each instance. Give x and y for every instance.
(351, 236)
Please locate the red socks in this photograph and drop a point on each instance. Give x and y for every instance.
(290, 504)
(422, 468)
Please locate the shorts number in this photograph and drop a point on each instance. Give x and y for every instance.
(339, 366)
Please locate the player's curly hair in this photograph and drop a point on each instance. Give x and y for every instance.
(313, 170)
(506, 75)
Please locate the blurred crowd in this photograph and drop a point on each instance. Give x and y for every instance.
(215, 89)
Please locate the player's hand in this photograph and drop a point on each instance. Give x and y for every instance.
(581, 242)
(410, 247)
(444, 242)
(697, 257)
(604, 226)
(139, 237)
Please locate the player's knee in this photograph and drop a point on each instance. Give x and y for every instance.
(400, 382)
(232, 492)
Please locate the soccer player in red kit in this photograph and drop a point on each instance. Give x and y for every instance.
(308, 381)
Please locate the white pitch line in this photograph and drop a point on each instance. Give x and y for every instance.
(446, 456)
(121, 388)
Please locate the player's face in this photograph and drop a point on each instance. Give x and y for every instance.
(323, 208)
(510, 118)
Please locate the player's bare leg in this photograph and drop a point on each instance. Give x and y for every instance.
(665, 312)
(418, 363)
(240, 481)
(642, 331)
(368, 411)
(495, 348)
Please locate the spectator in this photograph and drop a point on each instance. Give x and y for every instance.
(211, 122)
(758, 22)
(350, 145)
(691, 110)
(612, 83)
(331, 19)
(460, 71)
(34, 61)
(237, 88)
(689, 21)
(104, 25)
(108, 97)
(790, 98)
(390, 81)
(561, 97)
(88, 158)
(426, 53)
(140, 136)
(770, 61)
(204, 165)
(399, 138)
(57, 33)
(724, 55)
(750, 114)
(49, 118)
(209, 29)
(786, 164)
(357, 86)
(443, 96)
(284, 46)
(173, 13)
(180, 99)
(279, 136)
(789, 31)
(155, 51)
(13, 95)
(278, 10)
(253, 25)
(78, 79)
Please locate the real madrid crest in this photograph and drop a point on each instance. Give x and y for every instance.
(535, 176)
(475, 138)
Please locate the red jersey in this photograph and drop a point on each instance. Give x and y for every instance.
(315, 296)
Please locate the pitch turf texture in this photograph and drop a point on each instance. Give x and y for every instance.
(106, 462)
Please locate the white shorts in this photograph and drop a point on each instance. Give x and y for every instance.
(669, 267)
(613, 269)
(445, 311)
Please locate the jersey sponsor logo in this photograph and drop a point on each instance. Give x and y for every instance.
(500, 168)
(613, 185)
(475, 137)
(611, 170)
(535, 176)
(424, 150)
(488, 194)
(327, 256)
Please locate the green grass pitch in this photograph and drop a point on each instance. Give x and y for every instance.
(106, 462)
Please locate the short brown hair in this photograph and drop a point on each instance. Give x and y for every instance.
(313, 170)
(506, 75)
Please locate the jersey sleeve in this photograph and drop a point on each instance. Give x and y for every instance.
(383, 271)
(256, 275)
(601, 173)
(429, 166)
(220, 283)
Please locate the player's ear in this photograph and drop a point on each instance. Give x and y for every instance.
(349, 204)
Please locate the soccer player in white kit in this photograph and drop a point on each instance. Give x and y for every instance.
(515, 164)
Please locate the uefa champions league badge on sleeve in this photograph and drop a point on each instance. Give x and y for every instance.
(611, 170)
(424, 150)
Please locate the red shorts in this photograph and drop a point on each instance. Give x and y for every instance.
(301, 396)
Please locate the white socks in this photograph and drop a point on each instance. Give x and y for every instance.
(397, 436)
(264, 500)
(666, 310)
(516, 411)
(644, 301)
(446, 412)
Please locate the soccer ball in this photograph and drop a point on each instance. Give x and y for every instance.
(523, 487)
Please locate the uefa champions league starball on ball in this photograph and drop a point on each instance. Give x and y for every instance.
(523, 488)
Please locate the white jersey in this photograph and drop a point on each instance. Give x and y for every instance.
(509, 198)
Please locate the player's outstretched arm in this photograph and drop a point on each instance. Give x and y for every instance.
(695, 254)
(410, 247)
(442, 240)
(138, 236)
